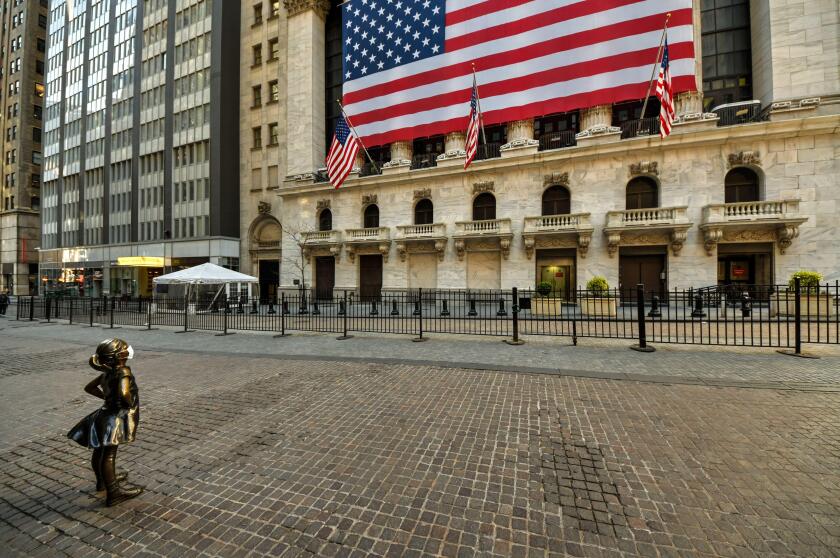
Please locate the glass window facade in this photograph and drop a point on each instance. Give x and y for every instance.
(727, 56)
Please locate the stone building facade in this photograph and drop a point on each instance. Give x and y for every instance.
(745, 190)
(23, 60)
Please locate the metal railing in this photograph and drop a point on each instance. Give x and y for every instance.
(642, 127)
(424, 161)
(488, 151)
(745, 315)
(557, 140)
(742, 112)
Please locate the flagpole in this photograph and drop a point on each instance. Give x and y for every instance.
(480, 112)
(655, 64)
(347, 119)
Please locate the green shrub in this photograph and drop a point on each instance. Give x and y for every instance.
(808, 280)
(597, 286)
(544, 288)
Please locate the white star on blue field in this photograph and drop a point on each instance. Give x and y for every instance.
(383, 34)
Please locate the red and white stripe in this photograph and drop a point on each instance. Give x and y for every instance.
(666, 101)
(534, 57)
(340, 160)
(471, 145)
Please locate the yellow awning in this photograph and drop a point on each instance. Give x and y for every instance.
(140, 261)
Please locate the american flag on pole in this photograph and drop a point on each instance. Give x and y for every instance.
(664, 93)
(342, 153)
(408, 63)
(472, 129)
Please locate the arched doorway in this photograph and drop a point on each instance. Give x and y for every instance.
(266, 233)
(741, 185)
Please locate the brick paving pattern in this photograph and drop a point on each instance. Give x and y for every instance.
(286, 457)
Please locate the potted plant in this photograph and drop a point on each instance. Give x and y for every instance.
(598, 301)
(813, 303)
(545, 303)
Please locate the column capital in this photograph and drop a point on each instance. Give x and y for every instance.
(295, 7)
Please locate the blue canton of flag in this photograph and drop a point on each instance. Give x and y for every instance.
(384, 34)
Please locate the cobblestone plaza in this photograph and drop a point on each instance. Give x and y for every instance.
(308, 446)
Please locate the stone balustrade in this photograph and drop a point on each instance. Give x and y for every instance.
(557, 223)
(768, 221)
(654, 216)
(750, 211)
(321, 237)
(409, 232)
(370, 240)
(654, 225)
(371, 234)
(489, 227)
(573, 230)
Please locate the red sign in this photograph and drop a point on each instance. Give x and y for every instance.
(738, 271)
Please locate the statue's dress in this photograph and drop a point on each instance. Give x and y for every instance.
(116, 421)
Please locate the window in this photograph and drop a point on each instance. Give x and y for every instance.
(642, 193)
(741, 186)
(257, 54)
(273, 133)
(42, 21)
(257, 135)
(36, 135)
(727, 55)
(273, 91)
(257, 96)
(556, 201)
(275, 8)
(273, 49)
(257, 14)
(42, 45)
(484, 207)
(371, 216)
(325, 220)
(424, 212)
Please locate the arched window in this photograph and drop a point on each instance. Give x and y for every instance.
(642, 193)
(424, 212)
(325, 220)
(741, 185)
(556, 201)
(372, 216)
(484, 207)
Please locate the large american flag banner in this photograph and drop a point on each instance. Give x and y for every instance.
(342, 153)
(664, 92)
(408, 63)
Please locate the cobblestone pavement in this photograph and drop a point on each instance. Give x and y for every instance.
(307, 457)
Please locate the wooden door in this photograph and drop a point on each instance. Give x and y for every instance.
(370, 277)
(269, 280)
(648, 270)
(324, 277)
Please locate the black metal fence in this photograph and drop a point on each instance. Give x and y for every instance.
(750, 315)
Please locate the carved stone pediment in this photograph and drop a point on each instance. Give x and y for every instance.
(744, 158)
(264, 208)
(369, 199)
(422, 193)
(322, 204)
(486, 186)
(556, 179)
(644, 167)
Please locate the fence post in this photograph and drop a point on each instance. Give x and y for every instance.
(31, 308)
(48, 307)
(420, 339)
(284, 309)
(642, 347)
(224, 326)
(515, 312)
(90, 308)
(149, 315)
(342, 311)
(70, 315)
(112, 313)
(797, 325)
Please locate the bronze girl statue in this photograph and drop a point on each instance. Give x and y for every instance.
(115, 422)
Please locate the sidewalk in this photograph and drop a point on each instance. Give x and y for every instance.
(592, 358)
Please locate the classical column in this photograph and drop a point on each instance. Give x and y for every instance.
(596, 125)
(305, 149)
(454, 148)
(520, 137)
(401, 153)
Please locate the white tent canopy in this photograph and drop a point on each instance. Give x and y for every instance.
(204, 274)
